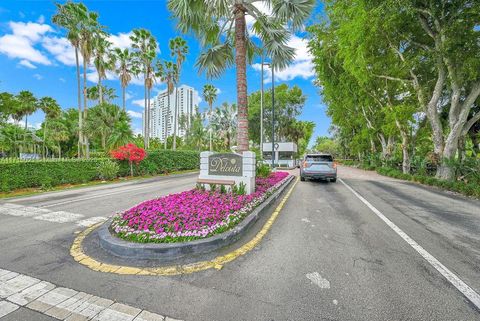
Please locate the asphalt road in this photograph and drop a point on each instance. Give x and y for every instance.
(328, 256)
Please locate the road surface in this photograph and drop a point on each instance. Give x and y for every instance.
(365, 248)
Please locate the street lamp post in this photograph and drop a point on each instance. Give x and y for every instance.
(273, 116)
(261, 112)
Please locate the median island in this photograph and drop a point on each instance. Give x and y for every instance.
(195, 214)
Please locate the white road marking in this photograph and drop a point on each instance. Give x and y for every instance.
(317, 279)
(63, 303)
(7, 308)
(99, 195)
(306, 220)
(335, 302)
(466, 290)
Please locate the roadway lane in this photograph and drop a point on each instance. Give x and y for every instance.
(327, 257)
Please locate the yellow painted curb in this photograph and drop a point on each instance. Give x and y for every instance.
(76, 251)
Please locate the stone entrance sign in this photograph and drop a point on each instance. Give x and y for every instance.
(225, 165)
(239, 168)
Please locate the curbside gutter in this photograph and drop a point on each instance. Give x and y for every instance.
(172, 251)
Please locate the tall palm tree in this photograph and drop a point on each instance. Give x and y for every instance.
(69, 17)
(102, 60)
(124, 68)
(179, 50)
(223, 34)
(52, 110)
(210, 95)
(146, 51)
(167, 72)
(89, 31)
(28, 104)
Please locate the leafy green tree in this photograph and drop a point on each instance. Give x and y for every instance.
(222, 30)
(27, 105)
(52, 110)
(326, 145)
(210, 95)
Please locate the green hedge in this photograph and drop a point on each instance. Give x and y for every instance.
(48, 173)
(162, 162)
(24, 174)
(469, 189)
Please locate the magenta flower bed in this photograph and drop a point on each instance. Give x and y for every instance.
(192, 214)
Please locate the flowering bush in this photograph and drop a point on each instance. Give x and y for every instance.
(130, 153)
(191, 215)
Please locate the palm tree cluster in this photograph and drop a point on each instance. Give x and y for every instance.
(221, 27)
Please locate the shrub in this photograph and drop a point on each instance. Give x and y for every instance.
(108, 170)
(47, 173)
(164, 161)
(130, 153)
(263, 170)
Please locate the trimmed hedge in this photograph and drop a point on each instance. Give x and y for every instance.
(49, 173)
(163, 162)
(469, 189)
(24, 174)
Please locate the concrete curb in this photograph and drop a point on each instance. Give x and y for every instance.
(172, 251)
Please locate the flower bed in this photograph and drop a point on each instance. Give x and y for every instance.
(191, 215)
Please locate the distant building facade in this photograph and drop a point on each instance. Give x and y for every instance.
(161, 115)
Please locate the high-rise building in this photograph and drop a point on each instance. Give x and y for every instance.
(159, 112)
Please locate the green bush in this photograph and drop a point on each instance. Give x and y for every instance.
(263, 170)
(163, 162)
(108, 169)
(45, 174)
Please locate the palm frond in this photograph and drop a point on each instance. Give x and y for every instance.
(215, 60)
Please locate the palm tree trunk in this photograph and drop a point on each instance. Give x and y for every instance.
(210, 129)
(79, 98)
(85, 109)
(123, 99)
(241, 64)
(148, 111)
(44, 136)
(175, 120)
(100, 91)
(145, 126)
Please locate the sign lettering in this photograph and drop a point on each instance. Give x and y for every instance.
(225, 165)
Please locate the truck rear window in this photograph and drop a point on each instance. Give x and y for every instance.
(319, 158)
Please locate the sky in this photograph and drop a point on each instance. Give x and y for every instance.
(35, 56)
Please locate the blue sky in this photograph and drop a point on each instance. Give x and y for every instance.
(35, 56)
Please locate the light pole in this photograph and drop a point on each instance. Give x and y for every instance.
(273, 116)
(261, 112)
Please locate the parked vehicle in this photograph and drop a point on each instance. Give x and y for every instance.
(318, 166)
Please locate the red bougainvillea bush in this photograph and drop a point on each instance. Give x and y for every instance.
(130, 153)
(193, 214)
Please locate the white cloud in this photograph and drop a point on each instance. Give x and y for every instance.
(139, 102)
(134, 114)
(92, 76)
(122, 40)
(37, 76)
(137, 131)
(128, 95)
(219, 91)
(62, 50)
(62, 79)
(20, 43)
(41, 19)
(27, 64)
(301, 67)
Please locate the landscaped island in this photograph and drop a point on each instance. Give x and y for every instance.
(192, 215)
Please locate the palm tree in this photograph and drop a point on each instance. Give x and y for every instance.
(125, 69)
(102, 60)
(167, 72)
(179, 50)
(146, 50)
(102, 122)
(108, 94)
(224, 122)
(28, 105)
(52, 110)
(69, 16)
(89, 30)
(210, 95)
(221, 27)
